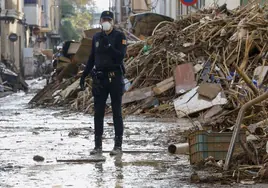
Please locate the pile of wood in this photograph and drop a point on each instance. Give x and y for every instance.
(10, 79)
(227, 49)
(208, 64)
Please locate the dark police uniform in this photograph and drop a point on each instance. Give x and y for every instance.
(107, 54)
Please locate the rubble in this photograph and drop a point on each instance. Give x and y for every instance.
(207, 65)
(38, 158)
(226, 52)
(10, 80)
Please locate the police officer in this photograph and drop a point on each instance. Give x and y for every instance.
(106, 67)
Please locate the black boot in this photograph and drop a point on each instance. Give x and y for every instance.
(117, 146)
(98, 146)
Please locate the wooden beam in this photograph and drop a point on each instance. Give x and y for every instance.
(161, 89)
(93, 160)
(137, 95)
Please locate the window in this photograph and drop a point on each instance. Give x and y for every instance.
(30, 1)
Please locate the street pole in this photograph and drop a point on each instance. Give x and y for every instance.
(52, 25)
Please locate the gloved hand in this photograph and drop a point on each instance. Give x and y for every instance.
(82, 83)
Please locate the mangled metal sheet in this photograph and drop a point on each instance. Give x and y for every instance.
(192, 102)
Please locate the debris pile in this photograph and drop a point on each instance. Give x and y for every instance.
(208, 64)
(215, 60)
(10, 80)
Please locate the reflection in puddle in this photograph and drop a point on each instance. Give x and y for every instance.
(26, 132)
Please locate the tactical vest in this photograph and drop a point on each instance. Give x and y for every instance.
(103, 58)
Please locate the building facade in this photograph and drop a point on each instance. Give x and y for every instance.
(43, 18)
(53, 13)
(175, 9)
(172, 8)
(124, 8)
(13, 33)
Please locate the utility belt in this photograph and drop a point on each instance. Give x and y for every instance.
(100, 74)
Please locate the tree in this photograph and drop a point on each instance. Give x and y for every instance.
(84, 2)
(77, 16)
(68, 31)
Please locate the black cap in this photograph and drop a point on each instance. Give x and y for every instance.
(107, 14)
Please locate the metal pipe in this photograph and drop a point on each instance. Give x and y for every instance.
(179, 148)
(237, 126)
(51, 21)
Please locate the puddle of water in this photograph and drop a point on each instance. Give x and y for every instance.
(26, 132)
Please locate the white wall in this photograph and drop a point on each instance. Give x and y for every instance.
(32, 14)
(160, 7)
(231, 4)
(2, 4)
(167, 8)
(45, 20)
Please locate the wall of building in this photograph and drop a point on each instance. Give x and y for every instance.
(33, 14)
(45, 14)
(46, 22)
(160, 7)
(141, 5)
(171, 8)
(175, 9)
(231, 4)
(12, 51)
(123, 8)
(55, 23)
(116, 8)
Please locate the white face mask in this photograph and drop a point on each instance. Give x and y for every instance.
(106, 26)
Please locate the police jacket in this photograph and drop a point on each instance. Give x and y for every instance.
(108, 51)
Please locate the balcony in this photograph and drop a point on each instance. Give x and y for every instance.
(11, 14)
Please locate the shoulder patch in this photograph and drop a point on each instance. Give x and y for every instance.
(124, 41)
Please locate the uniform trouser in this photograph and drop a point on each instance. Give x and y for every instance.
(101, 88)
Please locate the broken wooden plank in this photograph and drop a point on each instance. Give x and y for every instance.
(73, 47)
(66, 92)
(209, 90)
(91, 32)
(83, 51)
(137, 95)
(150, 102)
(162, 89)
(64, 59)
(164, 82)
(215, 110)
(70, 70)
(191, 103)
(184, 78)
(164, 86)
(91, 160)
(137, 151)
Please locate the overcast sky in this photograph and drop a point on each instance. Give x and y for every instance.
(102, 4)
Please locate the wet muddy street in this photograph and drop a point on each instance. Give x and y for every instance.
(55, 134)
